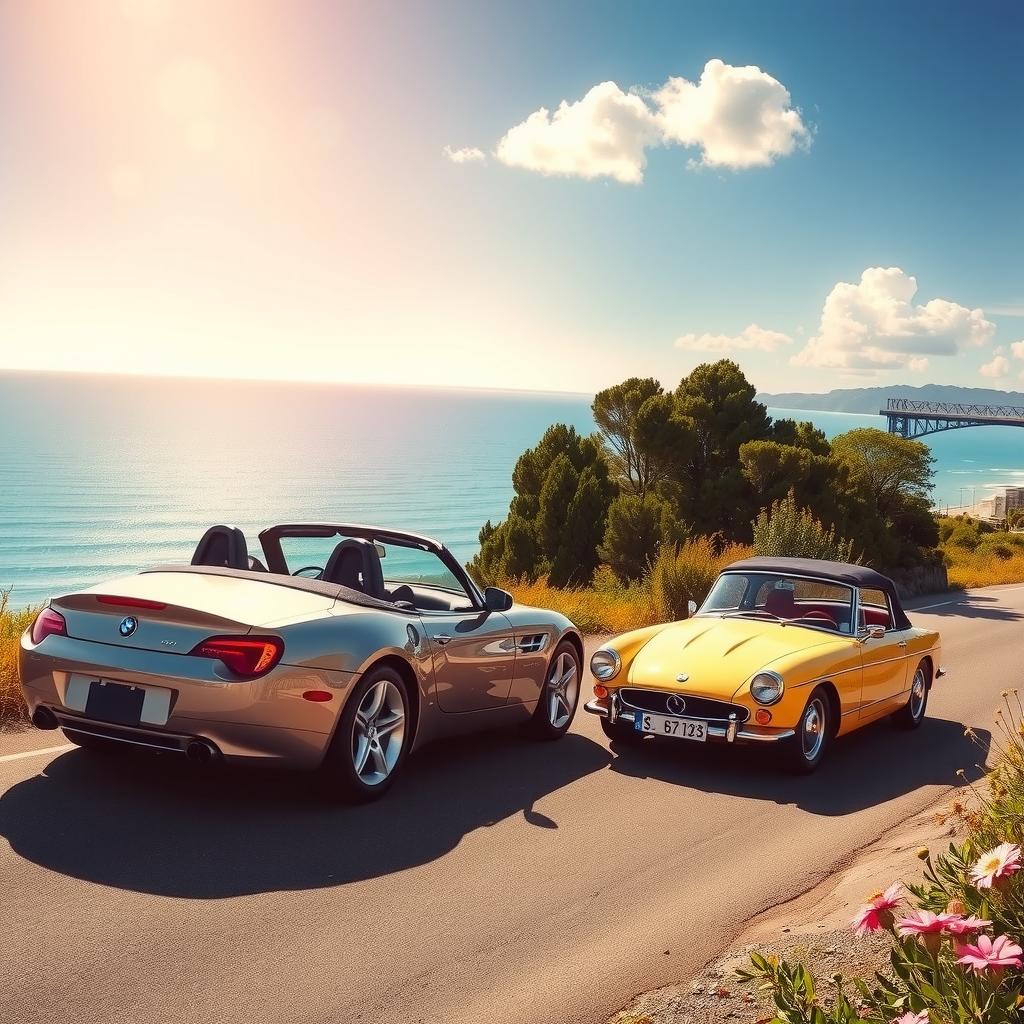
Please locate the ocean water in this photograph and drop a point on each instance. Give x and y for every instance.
(100, 476)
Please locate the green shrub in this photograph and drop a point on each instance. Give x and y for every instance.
(633, 534)
(965, 534)
(685, 573)
(786, 530)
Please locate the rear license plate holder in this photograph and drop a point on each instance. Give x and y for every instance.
(115, 702)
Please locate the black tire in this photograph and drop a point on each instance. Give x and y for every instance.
(621, 732)
(339, 775)
(560, 696)
(96, 744)
(911, 715)
(806, 750)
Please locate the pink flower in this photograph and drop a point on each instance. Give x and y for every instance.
(878, 913)
(928, 927)
(924, 922)
(990, 954)
(913, 1018)
(960, 926)
(996, 865)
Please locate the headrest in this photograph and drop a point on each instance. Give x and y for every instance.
(354, 563)
(222, 546)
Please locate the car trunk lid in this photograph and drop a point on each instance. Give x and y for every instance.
(172, 612)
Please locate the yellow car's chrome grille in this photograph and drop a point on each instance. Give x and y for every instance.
(661, 703)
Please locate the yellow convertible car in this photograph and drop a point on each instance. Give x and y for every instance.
(787, 652)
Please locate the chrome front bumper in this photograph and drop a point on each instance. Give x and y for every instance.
(731, 733)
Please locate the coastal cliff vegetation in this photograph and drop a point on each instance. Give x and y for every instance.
(701, 475)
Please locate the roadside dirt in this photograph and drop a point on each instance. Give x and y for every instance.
(813, 929)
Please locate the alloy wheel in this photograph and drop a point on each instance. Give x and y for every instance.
(563, 690)
(378, 732)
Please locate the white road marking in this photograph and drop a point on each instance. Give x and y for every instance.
(966, 596)
(36, 753)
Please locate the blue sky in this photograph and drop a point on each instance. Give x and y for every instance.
(368, 255)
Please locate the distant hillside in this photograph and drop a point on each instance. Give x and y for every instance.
(873, 399)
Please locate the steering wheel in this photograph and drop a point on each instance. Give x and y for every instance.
(316, 570)
(824, 616)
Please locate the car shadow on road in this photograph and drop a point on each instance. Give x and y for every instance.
(972, 606)
(147, 823)
(868, 767)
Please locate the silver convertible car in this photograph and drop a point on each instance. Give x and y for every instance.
(314, 655)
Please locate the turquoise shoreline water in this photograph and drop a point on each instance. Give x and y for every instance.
(100, 476)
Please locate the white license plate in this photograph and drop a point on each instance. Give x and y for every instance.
(667, 725)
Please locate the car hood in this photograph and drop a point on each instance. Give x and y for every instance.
(718, 655)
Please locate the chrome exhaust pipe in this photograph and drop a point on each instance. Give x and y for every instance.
(201, 752)
(44, 718)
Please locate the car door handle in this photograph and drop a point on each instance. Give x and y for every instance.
(902, 643)
(442, 638)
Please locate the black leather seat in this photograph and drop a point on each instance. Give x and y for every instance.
(354, 563)
(223, 546)
(403, 595)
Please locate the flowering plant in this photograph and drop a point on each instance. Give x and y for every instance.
(956, 954)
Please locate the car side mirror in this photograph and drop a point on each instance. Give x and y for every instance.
(872, 632)
(691, 608)
(496, 600)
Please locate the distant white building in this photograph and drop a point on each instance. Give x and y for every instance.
(997, 505)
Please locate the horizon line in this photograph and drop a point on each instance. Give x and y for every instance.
(301, 382)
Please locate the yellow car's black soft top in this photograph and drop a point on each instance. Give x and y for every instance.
(839, 572)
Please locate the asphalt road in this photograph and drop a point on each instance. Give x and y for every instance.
(503, 881)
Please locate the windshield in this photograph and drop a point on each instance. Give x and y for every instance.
(818, 604)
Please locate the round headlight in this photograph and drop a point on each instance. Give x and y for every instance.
(605, 664)
(766, 688)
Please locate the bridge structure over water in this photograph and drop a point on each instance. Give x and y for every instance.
(911, 418)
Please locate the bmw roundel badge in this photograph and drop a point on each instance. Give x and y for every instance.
(128, 625)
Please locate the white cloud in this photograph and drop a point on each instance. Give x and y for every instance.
(738, 116)
(604, 134)
(752, 337)
(873, 325)
(998, 367)
(918, 364)
(1017, 348)
(465, 155)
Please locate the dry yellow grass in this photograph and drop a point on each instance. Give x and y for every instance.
(609, 606)
(12, 624)
(593, 610)
(982, 568)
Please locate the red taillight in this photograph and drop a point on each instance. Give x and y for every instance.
(248, 656)
(131, 602)
(317, 696)
(48, 623)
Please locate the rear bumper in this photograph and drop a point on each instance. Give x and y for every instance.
(731, 733)
(234, 743)
(261, 721)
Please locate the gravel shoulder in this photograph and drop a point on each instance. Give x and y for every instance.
(813, 929)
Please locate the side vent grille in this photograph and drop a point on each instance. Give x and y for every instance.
(533, 644)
